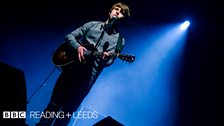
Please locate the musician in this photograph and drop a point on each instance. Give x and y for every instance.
(77, 78)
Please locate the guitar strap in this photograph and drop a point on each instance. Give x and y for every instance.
(119, 44)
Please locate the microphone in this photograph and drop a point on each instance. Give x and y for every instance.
(113, 20)
(110, 24)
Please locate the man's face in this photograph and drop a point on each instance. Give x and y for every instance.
(118, 12)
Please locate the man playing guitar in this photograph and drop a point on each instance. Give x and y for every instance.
(77, 77)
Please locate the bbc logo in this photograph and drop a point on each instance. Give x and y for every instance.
(14, 114)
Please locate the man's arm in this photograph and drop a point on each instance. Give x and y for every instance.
(74, 36)
(78, 33)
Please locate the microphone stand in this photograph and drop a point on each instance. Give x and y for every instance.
(98, 41)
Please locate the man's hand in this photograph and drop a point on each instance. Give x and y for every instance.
(80, 51)
(105, 55)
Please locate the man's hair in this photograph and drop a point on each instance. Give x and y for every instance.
(124, 7)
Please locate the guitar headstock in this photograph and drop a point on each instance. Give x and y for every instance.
(127, 57)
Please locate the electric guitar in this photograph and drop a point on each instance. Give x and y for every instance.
(65, 54)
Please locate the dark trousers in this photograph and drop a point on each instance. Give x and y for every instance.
(70, 90)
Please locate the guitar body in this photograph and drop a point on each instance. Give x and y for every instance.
(63, 55)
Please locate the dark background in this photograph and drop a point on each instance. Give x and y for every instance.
(200, 94)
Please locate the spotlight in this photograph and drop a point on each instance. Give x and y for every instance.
(185, 25)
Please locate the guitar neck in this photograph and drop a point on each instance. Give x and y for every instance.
(124, 57)
(98, 54)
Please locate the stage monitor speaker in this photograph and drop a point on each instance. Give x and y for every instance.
(13, 93)
(108, 121)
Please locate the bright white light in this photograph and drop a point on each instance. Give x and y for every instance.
(184, 25)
